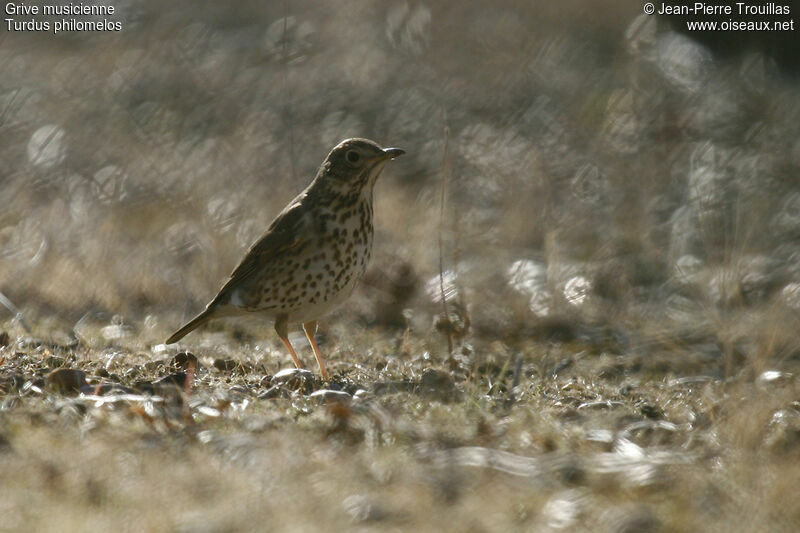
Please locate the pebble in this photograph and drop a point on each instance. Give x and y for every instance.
(225, 365)
(182, 360)
(292, 378)
(66, 380)
(360, 394)
(438, 384)
(330, 396)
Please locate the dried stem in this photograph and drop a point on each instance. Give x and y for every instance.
(286, 92)
(445, 172)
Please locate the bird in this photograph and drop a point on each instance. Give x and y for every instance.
(314, 252)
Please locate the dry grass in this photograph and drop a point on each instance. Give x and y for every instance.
(620, 269)
(588, 440)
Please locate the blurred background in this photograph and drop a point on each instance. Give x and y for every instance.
(606, 177)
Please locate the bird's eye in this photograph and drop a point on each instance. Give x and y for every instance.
(352, 157)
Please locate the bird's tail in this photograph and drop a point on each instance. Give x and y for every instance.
(197, 321)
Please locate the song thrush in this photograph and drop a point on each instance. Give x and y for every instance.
(314, 252)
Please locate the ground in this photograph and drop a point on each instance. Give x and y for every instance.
(582, 311)
(547, 437)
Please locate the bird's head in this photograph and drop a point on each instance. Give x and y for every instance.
(355, 164)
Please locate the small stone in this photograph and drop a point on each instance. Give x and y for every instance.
(183, 360)
(4, 339)
(225, 365)
(651, 411)
(288, 373)
(437, 384)
(783, 432)
(293, 378)
(360, 394)
(331, 396)
(66, 380)
(774, 377)
(238, 390)
(436, 379)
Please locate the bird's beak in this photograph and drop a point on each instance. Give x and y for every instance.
(391, 153)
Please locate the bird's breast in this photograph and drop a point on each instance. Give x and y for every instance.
(347, 233)
(323, 273)
(337, 256)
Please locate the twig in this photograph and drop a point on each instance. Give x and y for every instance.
(287, 93)
(445, 171)
(187, 390)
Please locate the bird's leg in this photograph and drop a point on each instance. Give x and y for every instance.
(282, 327)
(311, 328)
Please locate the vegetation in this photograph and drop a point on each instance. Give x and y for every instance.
(581, 314)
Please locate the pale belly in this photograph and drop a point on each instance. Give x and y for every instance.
(315, 311)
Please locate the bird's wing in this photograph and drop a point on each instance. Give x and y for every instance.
(284, 234)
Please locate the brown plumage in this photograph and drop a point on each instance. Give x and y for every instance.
(314, 252)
